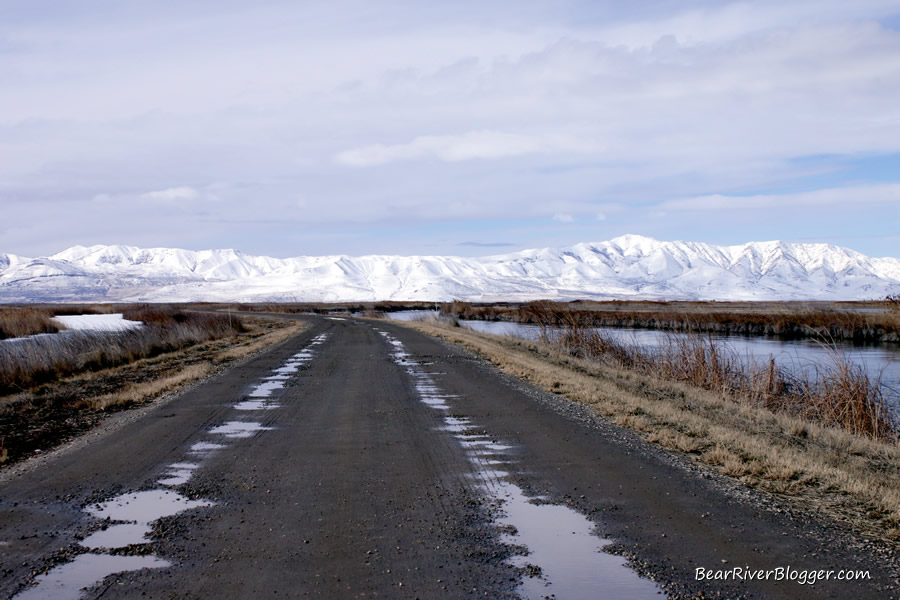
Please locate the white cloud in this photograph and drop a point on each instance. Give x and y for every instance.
(844, 196)
(485, 113)
(563, 217)
(172, 194)
(452, 148)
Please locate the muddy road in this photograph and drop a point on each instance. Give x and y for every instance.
(364, 459)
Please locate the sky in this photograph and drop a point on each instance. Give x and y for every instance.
(286, 128)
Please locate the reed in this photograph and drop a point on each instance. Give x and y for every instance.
(21, 321)
(880, 322)
(28, 362)
(839, 394)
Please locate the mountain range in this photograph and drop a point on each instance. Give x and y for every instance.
(627, 267)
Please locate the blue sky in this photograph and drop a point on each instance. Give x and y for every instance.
(469, 128)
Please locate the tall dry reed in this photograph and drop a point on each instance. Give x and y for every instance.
(880, 322)
(838, 394)
(21, 321)
(32, 361)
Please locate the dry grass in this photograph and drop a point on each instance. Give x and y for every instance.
(271, 338)
(823, 469)
(822, 320)
(143, 391)
(841, 395)
(44, 416)
(137, 393)
(22, 321)
(33, 361)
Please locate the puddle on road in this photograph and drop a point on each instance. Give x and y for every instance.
(144, 507)
(486, 446)
(319, 339)
(204, 448)
(265, 389)
(564, 554)
(457, 424)
(117, 536)
(66, 581)
(178, 473)
(256, 405)
(562, 544)
(238, 429)
(134, 514)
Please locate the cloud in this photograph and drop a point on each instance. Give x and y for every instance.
(563, 217)
(451, 148)
(844, 196)
(172, 194)
(486, 244)
(474, 112)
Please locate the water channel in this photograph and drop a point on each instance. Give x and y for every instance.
(807, 357)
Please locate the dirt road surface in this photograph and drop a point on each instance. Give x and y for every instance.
(362, 459)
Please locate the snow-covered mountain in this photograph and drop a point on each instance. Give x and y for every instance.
(626, 267)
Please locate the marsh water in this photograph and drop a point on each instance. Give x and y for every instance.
(804, 357)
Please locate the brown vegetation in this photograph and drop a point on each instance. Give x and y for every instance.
(842, 395)
(31, 361)
(878, 321)
(22, 321)
(824, 469)
(331, 307)
(45, 415)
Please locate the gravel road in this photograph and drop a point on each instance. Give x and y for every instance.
(364, 459)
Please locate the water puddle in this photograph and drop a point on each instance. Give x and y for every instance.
(256, 405)
(564, 557)
(178, 473)
(265, 389)
(117, 536)
(133, 515)
(144, 507)
(130, 517)
(319, 339)
(457, 424)
(483, 446)
(66, 581)
(238, 429)
(204, 448)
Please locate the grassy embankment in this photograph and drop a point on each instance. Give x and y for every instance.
(53, 387)
(876, 321)
(688, 403)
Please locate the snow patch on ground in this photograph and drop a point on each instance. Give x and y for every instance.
(110, 322)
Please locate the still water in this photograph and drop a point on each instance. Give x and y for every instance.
(799, 357)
